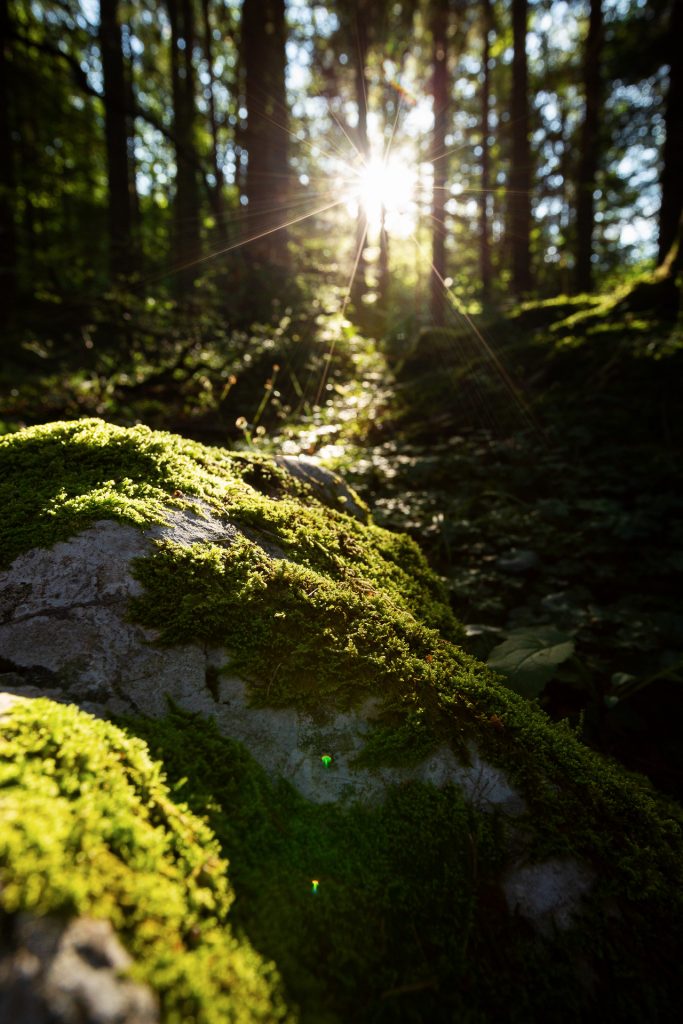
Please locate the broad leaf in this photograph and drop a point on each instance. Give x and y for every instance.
(529, 657)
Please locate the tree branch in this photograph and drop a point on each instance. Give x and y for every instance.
(82, 82)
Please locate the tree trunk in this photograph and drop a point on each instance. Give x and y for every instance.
(519, 202)
(133, 197)
(217, 191)
(7, 226)
(438, 157)
(588, 157)
(360, 49)
(383, 268)
(116, 138)
(383, 277)
(672, 169)
(485, 230)
(266, 135)
(186, 206)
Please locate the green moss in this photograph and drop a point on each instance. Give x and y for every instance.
(336, 639)
(614, 310)
(57, 479)
(409, 922)
(350, 610)
(64, 478)
(402, 740)
(366, 592)
(241, 598)
(89, 827)
(395, 931)
(320, 611)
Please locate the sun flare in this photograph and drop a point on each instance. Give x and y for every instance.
(387, 186)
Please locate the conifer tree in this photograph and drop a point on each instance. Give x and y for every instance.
(589, 150)
(116, 139)
(186, 205)
(519, 184)
(266, 134)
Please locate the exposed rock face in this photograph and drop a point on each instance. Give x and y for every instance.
(145, 568)
(57, 973)
(548, 894)
(68, 629)
(69, 634)
(328, 487)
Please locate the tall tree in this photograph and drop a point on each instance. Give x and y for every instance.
(389, 120)
(131, 113)
(671, 208)
(266, 135)
(216, 192)
(7, 228)
(484, 230)
(519, 200)
(116, 138)
(360, 46)
(440, 96)
(186, 205)
(589, 150)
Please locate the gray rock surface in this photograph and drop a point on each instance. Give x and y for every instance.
(68, 629)
(52, 972)
(68, 636)
(548, 893)
(65, 634)
(329, 488)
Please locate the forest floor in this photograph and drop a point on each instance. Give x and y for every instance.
(535, 458)
(539, 468)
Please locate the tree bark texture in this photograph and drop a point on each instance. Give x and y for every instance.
(589, 151)
(438, 158)
(519, 201)
(116, 138)
(360, 47)
(671, 208)
(265, 138)
(7, 226)
(484, 209)
(186, 206)
(217, 191)
(133, 197)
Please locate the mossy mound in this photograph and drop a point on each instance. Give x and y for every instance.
(409, 922)
(550, 362)
(295, 573)
(89, 827)
(321, 612)
(621, 350)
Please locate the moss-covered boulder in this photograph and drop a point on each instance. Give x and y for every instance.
(408, 839)
(90, 828)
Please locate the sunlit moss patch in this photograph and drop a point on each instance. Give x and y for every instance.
(90, 827)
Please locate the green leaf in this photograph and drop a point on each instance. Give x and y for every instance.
(529, 657)
(622, 679)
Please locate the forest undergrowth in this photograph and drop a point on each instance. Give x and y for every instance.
(547, 491)
(535, 457)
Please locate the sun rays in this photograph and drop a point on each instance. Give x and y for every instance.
(386, 188)
(365, 200)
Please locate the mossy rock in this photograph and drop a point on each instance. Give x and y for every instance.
(429, 847)
(89, 827)
(531, 316)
